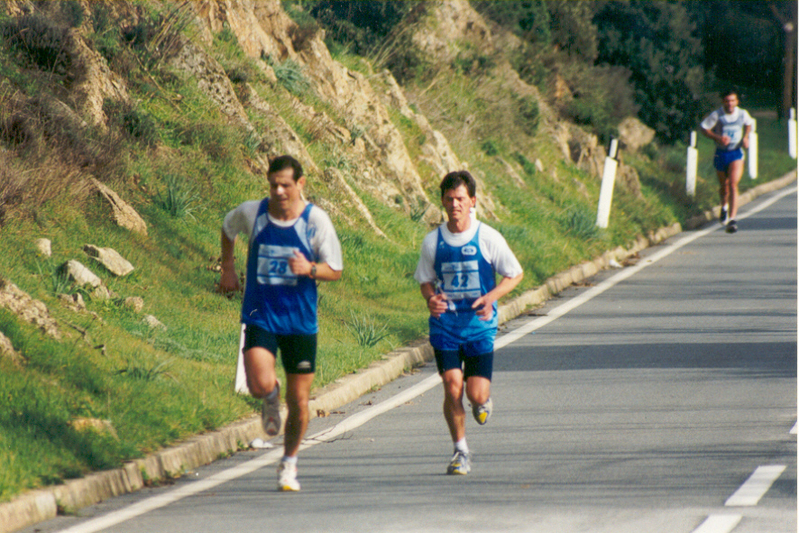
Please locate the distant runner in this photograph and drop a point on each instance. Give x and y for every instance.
(457, 273)
(730, 127)
(293, 245)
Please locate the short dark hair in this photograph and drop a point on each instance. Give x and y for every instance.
(728, 91)
(284, 161)
(453, 180)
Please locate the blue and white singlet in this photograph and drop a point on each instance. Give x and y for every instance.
(463, 275)
(734, 129)
(275, 298)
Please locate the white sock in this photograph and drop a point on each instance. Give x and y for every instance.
(290, 460)
(461, 446)
(271, 395)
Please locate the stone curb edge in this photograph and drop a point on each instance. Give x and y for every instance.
(44, 504)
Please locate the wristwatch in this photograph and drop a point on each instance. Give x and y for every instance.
(313, 271)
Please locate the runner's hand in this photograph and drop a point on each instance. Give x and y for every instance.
(299, 264)
(484, 308)
(437, 304)
(228, 281)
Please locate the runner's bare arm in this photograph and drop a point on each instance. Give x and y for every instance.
(318, 271)
(721, 139)
(484, 304)
(745, 140)
(228, 280)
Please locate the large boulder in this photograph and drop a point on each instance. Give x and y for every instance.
(634, 134)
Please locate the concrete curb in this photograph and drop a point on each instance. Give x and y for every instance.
(44, 504)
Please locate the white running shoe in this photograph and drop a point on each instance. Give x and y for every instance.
(483, 412)
(287, 477)
(270, 413)
(459, 464)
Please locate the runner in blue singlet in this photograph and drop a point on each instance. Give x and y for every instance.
(729, 126)
(292, 246)
(456, 271)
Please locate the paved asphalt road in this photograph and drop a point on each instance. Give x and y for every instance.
(643, 409)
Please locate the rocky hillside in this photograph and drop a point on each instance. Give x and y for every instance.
(351, 114)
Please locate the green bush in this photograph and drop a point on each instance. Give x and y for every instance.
(41, 42)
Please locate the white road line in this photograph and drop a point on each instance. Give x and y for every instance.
(794, 430)
(755, 487)
(719, 523)
(595, 291)
(357, 420)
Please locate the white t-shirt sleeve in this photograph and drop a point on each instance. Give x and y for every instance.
(425, 269)
(748, 120)
(710, 120)
(496, 250)
(324, 240)
(241, 219)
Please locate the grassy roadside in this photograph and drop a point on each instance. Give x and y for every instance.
(183, 166)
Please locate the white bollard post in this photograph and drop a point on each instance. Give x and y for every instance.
(792, 133)
(606, 191)
(241, 376)
(753, 151)
(614, 148)
(691, 167)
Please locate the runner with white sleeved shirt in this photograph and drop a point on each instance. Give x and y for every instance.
(729, 126)
(292, 245)
(457, 276)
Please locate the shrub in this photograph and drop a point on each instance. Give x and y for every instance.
(135, 122)
(179, 199)
(290, 75)
(39, 41)
(528, 114)
(490, 147)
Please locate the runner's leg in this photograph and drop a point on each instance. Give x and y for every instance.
(259, 365)
(298, 393)
(478, 389)
(734, 172)
(454, 413)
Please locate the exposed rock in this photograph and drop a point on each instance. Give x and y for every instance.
(101, 292)
(280, 138)
(79, 274)
(539, 166)
(94, 81)
(7, 351)
(456, 22)
(585, 151)
(634, 134)
(124, 215)
(212, 80)
(263, 29)
(110, 259)
(153, 322)
(74, 301)
(511, 172)
(44, 247)
(627, 178)
(334, 177)
(94, 424)
(135, 303)
(21, 304)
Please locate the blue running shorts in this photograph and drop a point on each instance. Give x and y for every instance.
(723, 158)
